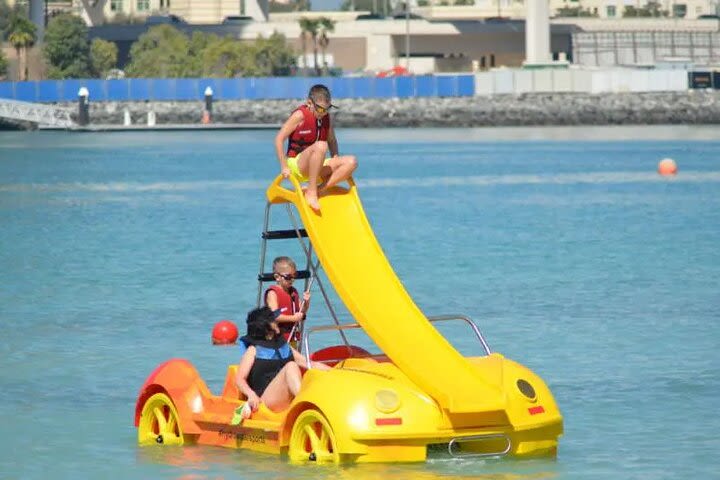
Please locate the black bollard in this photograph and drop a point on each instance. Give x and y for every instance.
(207, 114)
(83, 106)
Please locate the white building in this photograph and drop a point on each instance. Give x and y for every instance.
(97, 12)
(689, 9)
(214, 11)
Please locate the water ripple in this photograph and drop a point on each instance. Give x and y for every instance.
(415, 182)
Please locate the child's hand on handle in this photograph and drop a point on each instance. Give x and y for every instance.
(285, 172)
(305, 303)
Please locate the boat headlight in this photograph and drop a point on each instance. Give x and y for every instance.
(387, 401)
(527, 389)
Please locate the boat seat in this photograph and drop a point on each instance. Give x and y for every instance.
(332, 355)
(329, 356)
(230, 389)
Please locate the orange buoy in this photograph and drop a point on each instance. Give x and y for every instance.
(667, 166)
(224, 333)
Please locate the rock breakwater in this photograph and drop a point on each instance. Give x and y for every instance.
(692, 107)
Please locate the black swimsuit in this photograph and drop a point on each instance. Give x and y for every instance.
(270, 357)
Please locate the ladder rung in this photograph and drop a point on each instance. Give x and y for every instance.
(269, 277)
(281, 234)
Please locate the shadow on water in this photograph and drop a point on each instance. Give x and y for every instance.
(200, 462)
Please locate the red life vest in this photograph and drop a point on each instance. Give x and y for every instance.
(288, 303)
(308, 132)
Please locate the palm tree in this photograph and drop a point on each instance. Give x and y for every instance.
(303, 41)
(309, 27)
(326, 26)
(22, 36)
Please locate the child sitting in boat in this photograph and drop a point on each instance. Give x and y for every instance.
(283, 297)
(269, 370)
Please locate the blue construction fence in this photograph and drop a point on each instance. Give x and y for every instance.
(179, 89)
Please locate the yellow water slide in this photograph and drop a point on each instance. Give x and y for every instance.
(365, 281)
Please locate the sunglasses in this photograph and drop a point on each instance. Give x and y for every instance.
(287, 276)
(320, 109)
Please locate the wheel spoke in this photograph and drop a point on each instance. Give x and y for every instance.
(171, 424)
(314, 440)
(324, 438)
(162, 421)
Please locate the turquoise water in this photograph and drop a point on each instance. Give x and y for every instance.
(119, 251)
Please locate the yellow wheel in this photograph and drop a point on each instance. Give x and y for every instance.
(312, 439)
(159, 423)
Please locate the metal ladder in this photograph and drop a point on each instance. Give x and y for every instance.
(311, 269)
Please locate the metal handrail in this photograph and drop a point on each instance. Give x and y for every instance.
(352, 326)
(459, 316)
(263, 250)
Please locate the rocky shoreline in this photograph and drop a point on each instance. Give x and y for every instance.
(692, 107)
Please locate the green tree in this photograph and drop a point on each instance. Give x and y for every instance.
(651, 9)
(223, 58)
(198, 44)
(7, 14)
(309, 30)
(272, 56)
(575, 12)
(326, 26)
(165, 52)
(22, 35)
(3, 65)
(161, 52)
(103, 56)
(67, 49)
(228, 57)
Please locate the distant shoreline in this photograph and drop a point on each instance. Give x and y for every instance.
(561, 109)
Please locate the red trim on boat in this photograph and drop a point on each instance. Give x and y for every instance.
(536, 410)
(388, 421)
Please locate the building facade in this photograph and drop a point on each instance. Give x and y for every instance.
(689, 9)
(214, 11)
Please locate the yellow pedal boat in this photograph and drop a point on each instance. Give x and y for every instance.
(418, 393)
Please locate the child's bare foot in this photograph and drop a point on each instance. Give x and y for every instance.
(312, 200)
